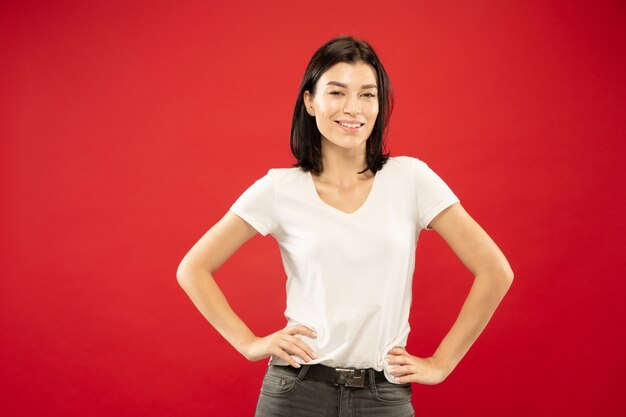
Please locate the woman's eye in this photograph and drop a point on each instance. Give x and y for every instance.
(339, 93)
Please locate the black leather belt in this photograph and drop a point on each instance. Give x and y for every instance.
(350, 377)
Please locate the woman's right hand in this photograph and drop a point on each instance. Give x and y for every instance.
(282, 344)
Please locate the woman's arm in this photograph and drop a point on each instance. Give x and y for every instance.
(195, 276)
(492, 278)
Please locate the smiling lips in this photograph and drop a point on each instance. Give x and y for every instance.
(350, 125)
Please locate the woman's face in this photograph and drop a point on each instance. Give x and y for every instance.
(345, 104)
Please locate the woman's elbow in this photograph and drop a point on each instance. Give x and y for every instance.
(183, 274)
(189, 272)
(500, 275)
(508, 276)
(505, 276)
(502, 270)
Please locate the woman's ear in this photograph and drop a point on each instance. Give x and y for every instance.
(308, 103)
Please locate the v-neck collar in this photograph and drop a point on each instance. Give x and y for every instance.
(341, 212)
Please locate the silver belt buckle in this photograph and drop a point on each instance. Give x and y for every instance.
(348, 377)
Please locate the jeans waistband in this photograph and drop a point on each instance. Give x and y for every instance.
(349, 377)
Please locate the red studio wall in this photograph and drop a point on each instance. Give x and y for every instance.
(128, 128)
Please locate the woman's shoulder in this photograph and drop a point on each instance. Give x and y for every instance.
(403, 163)
(286, 172)
(283, 176)
(404, 160)
(405, 166)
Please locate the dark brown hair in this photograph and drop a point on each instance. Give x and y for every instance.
(305, 138)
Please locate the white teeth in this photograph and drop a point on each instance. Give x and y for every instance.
(350, 125)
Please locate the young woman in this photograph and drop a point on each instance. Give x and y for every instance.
(347, 218)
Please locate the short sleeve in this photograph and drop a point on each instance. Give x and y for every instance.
(433, 195)
(257, 204)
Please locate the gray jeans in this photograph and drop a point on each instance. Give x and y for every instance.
(287, 392)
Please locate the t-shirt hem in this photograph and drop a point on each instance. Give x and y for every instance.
(433, 212)
(254, 222)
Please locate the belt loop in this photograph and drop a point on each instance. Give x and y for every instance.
(302, 372)
(372, 377)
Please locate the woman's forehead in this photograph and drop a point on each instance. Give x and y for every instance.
(355, 75)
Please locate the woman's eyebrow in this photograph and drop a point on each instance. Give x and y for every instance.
(345, 86)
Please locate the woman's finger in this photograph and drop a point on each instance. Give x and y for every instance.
(302, 345)
(285, 356)
(295, 350)
(398, 351)
(397, 360)
(300, 329)
(403, 370)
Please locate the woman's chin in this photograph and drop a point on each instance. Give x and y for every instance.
(348, 144)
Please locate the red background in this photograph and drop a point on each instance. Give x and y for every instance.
(129, 128)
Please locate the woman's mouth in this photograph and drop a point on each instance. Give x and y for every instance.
(350, 127)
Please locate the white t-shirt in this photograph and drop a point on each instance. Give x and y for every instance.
(349, 276)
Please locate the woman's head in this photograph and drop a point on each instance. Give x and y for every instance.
(359, 91)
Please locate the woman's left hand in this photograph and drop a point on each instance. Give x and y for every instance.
(408, 368)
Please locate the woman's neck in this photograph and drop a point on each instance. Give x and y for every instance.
(341, 165)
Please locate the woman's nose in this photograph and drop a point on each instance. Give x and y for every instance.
(352, 105)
